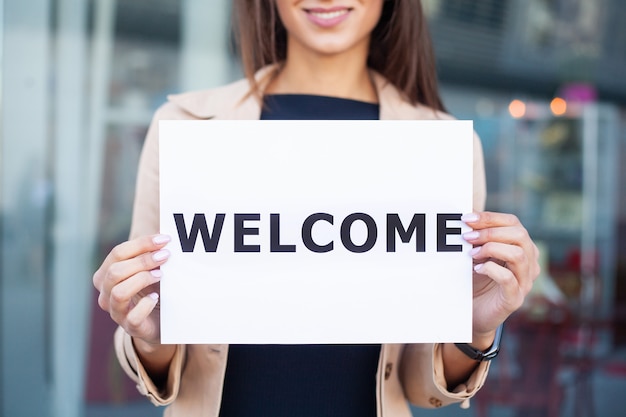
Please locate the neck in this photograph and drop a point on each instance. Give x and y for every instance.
(340, 75)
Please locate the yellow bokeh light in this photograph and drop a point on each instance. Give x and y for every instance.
(558, 106)
(517, 108)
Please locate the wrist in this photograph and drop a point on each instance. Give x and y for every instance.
(150, 348)
(483, 340)
(477, 352)
(155, 358)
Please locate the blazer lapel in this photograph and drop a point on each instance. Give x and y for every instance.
(236, 102)
(230, 102)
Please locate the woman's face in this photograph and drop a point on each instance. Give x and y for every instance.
(329, 27)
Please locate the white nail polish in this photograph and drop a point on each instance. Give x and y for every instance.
(469, 217)
(160, 239)
(161, 255)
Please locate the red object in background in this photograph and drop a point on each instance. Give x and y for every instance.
(573, 261)
(615, 368)
(106, 381)
(525, 378)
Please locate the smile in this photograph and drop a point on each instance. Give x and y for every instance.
(327, 18)
(329, 15)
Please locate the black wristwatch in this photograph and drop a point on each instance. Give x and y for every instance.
(479, 355)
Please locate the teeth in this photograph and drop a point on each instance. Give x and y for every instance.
(329, 15)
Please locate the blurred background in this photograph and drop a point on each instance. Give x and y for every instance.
(543, 80)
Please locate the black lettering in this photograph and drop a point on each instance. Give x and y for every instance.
(307, 231)
(241, 231)
(372, 232)
(210, 240)
(443, 231)
(275, 245)
(418, 222)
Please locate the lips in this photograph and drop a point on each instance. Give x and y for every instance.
(328, 17)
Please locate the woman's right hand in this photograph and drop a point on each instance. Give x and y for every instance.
(128, 282)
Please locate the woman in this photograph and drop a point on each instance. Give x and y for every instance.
(312, 59)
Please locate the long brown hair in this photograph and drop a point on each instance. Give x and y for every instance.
(400, 47)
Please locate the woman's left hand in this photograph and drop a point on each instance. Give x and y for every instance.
(505, 267)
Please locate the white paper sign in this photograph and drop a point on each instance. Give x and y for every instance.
(316, 231)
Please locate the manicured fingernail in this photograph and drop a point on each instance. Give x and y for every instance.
(156, 273)
(478, 267)
(474, 251)
(469, 217)
(154, 296)
(471, 235)
(161, 255)
(161, 239)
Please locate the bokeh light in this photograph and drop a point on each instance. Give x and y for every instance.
(517, 108)
(558, 106)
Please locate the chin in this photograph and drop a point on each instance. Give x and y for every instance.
(336, 47)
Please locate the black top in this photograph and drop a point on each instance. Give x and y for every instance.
(309, 107)
(303, 380)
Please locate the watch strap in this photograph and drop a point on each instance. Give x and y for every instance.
(479, 355)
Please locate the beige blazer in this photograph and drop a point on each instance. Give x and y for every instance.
(194, 387)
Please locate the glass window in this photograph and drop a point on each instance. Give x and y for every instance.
(81, 79)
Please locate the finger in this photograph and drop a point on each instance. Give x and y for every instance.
(511, 244)
(123, 294)
(128, 250)
(510, 235)
(514, 235)
(138, 322)
(500, 227)
(513, 295)
(121, 271)
(511, 257)
(487, 219)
